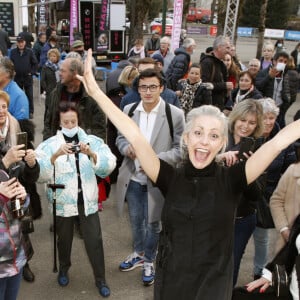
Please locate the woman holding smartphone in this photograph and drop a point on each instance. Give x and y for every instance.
(245, 122)
(12, 252)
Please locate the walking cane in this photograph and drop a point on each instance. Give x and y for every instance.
(54, 187)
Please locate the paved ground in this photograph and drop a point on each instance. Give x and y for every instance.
(116, 236)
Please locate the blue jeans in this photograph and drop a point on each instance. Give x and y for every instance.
(145, 235)
(9, 286)
(243, 230)
(261, 244)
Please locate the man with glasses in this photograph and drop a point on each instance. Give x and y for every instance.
(145, 202)
(134, 96)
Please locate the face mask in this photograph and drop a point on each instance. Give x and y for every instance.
(279, 45)
(280, 67)
(69, 132)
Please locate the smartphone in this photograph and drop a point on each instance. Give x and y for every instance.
(247, 144)
(22, 139)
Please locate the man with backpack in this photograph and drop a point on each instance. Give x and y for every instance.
(162, 125)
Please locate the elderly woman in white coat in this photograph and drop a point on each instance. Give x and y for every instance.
(73, 158)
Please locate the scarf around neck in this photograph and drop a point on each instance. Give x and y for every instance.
(4, 130)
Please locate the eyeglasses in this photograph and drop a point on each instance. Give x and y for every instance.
(152, 88)
(254, 66)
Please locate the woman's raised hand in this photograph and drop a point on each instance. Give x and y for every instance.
(88, 78)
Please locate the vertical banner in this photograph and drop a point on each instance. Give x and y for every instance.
(42, 16)
(103, 30)
(86, 18)
(73, 18)
(177, 21)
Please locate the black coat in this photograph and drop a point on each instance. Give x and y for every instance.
(48, 79)
(4, 42)
(265, 84)
(92, 119)
(25, 64)
(213, 70)
(255, 94)
(177, 68)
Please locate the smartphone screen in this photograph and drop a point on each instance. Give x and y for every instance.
(247, 144)
(22, 139)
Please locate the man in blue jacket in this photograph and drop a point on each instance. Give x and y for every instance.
(18, 104)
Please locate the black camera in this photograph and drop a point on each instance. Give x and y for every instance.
(75, 148)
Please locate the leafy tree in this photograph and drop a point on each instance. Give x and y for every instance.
(277, 14)
(249, 13)
(276, 17)
(138, 12)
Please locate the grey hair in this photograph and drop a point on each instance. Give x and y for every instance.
(220, 40)
(269, 106)
(204, 110)
(188, 42)
(165, 39)
(76, 65)
(73, 54)
(7, 66)
(255, 60)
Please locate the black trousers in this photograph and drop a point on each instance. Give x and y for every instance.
(92, 236)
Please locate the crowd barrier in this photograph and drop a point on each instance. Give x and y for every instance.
(247, 32)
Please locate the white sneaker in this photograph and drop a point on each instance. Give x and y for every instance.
(148, 273)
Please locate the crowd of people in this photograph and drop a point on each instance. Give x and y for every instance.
(176, 127)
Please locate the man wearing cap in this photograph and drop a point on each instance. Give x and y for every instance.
(78, 47)
(165, 52)
(26, 65)
(28, 37)
(152, 44)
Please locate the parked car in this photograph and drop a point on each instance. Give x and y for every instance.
(156, 24)
(205, 19)
(195, 14)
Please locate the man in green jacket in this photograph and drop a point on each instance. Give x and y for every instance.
(71, 89)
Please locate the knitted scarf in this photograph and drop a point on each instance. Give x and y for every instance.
(52, 65)
(4, 130)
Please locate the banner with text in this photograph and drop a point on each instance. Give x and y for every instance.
(73, 18)
(103, 29)
(177, 22)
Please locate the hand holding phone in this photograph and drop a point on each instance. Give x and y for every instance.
(247, 144)
(22, 139)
